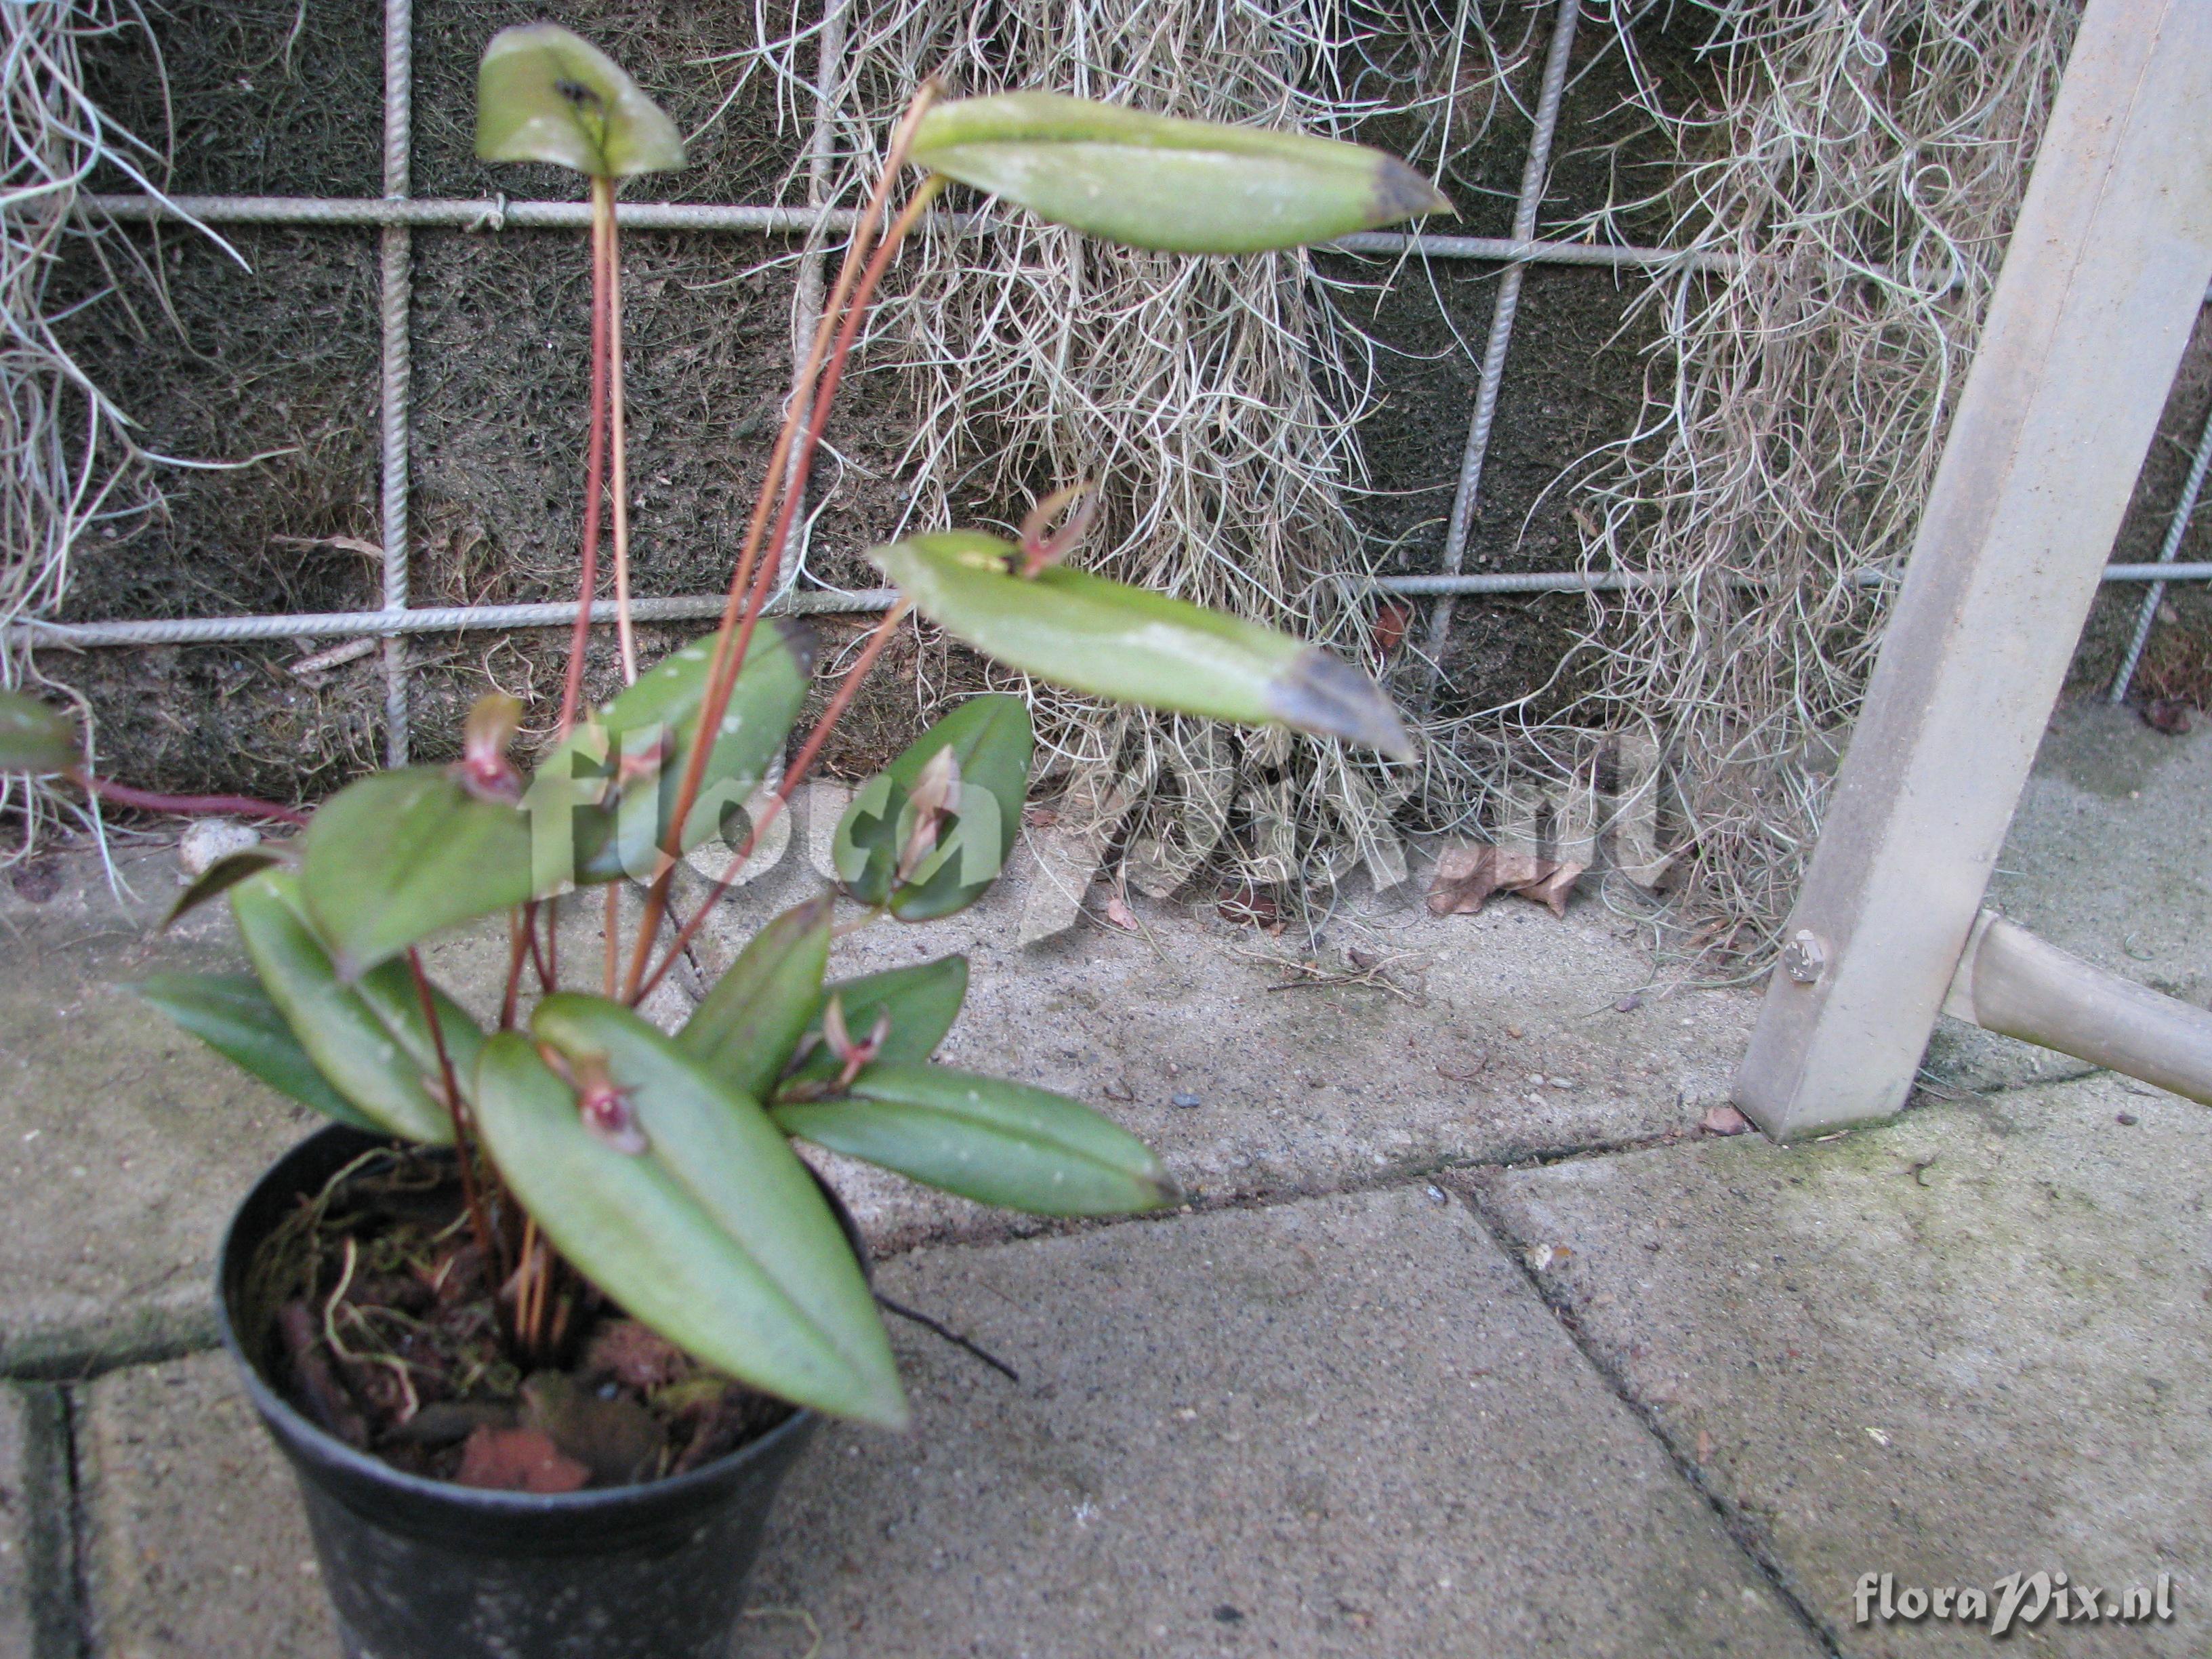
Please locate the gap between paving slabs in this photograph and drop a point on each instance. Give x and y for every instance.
(1966, 1343)
(40, 1609)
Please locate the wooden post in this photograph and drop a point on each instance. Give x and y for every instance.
(2101, 283)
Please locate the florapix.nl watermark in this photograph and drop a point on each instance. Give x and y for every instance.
(2016, 1601)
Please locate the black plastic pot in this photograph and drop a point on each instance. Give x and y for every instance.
(419, 1569)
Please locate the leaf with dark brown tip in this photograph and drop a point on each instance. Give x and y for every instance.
(546, 95)
(1135, 646)
(1152, 181)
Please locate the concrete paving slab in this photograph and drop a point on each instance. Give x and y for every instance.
(195, 1545)
(16, 1500)
(1970, 1343)
(1334, 1426)
(1500, 1039)
(123, 1142)
(2106, 859)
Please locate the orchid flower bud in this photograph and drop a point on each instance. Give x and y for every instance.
(934, 798)
(1039, 549)
(483, 769)
(605, 1108)
(852, 1056)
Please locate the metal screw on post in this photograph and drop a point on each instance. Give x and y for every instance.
(1805, 958)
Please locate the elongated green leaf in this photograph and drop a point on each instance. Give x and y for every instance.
(34, 737)
(633, 753)
(1152, 181)
(1135, 646)
(234, 1016)
(544, 94)
(991, 740)
(219, 877)
(922, 1002)
(368, 1039)
(776, 1298)
(747, 1026)
(996, 1142)
(397, 856)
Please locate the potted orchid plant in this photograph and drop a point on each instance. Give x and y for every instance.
(541, 1320)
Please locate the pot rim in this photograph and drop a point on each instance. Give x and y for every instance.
(327, 1447)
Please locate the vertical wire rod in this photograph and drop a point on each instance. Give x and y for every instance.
(2182, 512)
(397, 378)
(806, 310)
(1535, 174)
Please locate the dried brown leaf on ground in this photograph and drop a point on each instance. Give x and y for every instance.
(1119, 914)
(2168, 714)
(1467, 876)
(1551, 890)
(1256, 907)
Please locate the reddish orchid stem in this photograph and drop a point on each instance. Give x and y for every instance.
(526, 1273)
(595, 463)
(792, 778)
(479, 1219)
(549, 966)
(612, 925)
(610, 255)
(244, 806)
(656, 898)
(754, 575)
(519, 941)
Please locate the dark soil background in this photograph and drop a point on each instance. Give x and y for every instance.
(280, 361)
(2177, 663)
(1573, 377)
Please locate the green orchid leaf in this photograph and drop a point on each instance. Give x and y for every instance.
(921, 1002)
(1134, 646)
(544, 94)
(1150, 181)
(35, 737)
(715, 1236)
(234, 1016)
(368, 1038)
(748, 1025)
(996, 1142)
(991, 741)
(219, 877)
(398, 856)
(615, 782)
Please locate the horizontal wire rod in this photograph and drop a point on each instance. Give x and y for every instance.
(500, 214)
(340, 624)
(1587, 581)
(425, 619)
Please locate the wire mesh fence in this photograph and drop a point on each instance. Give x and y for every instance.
(393, 215)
